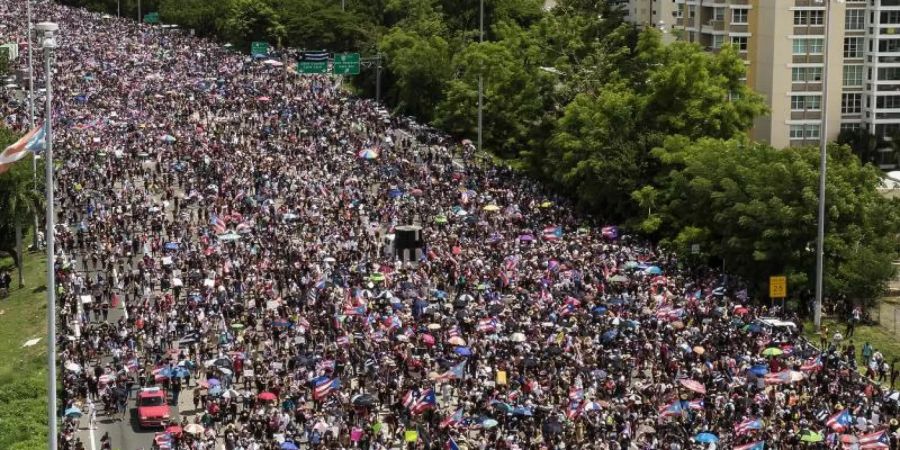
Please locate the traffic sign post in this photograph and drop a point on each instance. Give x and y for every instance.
(151, 18)
(778, 287)
(313, 62)
(259, 48)
(345, 64)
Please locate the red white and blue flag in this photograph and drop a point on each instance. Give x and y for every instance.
(453, 419)
(812, 365)
(218, 225)
(873, 441)
(758, 445)
(323, 386)
(33, 141)
(487, 325)
(457, 372)
(610, 232)
(840, 421)
(552, 233)
(748, 425)
(425, 402)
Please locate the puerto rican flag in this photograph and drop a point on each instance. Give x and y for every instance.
(323, 386)
(552, 233)
(457, 372)
(33, 141)
(576, 393)
(451, 445)
(355, 310)
(453, 419)
(409, 399)
(574, 410)
(783, 377)
(343, 341)
(758, 445)
(454, 332)
(218, 225)
(812, 364)
(840, 421)
(748, 425)
(425, 402)
(871, 441)
(487, 325)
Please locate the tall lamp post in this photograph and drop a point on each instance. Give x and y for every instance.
(480, 77)
(823, 166)
(48, 43)
(31, 110)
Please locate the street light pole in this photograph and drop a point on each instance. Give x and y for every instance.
(48, 43)
(480, 77)
(823, 167)
(31, 113)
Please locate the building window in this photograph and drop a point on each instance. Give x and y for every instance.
(853, 47)
(806, 102)
(817, 18)
(851, 126)
(679, 13)
(718, 13)
(855, 19)
(807, 131)
(739, 42)
(888, 102)
(718, 40)
(851, 103)
(801, 17)
(739, 16)
(853, 75)
(803, 46)
(804, 74)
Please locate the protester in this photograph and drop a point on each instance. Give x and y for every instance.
(226, 221)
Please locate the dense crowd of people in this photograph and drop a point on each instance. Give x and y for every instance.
(225, 231)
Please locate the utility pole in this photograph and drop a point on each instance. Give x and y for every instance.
(823, 167)
(378, 79)
(48, 43)
(31, 114)
(480, 77)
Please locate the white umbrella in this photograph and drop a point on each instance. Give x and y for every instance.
(72, 366)
(517, 337)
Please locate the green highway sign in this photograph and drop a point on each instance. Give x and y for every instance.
(259, 48)
(151, 17)
(345, 64)
(312, 67)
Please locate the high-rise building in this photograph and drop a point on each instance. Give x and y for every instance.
(784, 44)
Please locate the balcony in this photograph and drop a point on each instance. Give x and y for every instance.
(713, 26)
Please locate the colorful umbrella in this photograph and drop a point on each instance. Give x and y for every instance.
(367, 153)
(706, 438)
(693, 385)
(266, 396)
(772, 351)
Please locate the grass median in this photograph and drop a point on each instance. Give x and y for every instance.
(877, 336)
(23, 370)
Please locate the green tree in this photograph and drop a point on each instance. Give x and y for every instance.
(245, 21)
(515, 93)
(198, 15)
(418, 65)
(864, 144)
(755, 207)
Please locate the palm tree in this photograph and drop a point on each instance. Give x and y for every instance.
(19, 203)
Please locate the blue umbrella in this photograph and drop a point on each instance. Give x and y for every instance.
(759, 370)
(617, 301)
(180, 372)
(73, 412)
(609, 335)
(599, 309)
(287, 445)
(706, 438)
(215, 390)
(394, 193)
(281, 323)
(505, 407)
(213, 382)
(654, 270)
(522, 411)
(463, 351)
(172, 245)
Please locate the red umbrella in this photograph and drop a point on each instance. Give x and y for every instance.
(174, 429)
(266, 396)
(428, 339)
(693, 385)
(740, 310)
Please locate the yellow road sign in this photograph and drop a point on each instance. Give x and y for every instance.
(778, 287)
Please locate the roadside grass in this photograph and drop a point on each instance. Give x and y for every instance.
(877, 336)
(23, 370)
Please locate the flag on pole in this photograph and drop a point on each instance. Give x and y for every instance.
(758, 445)
(839, 421)
(748, 425)
(33, 141)
(453, 419)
